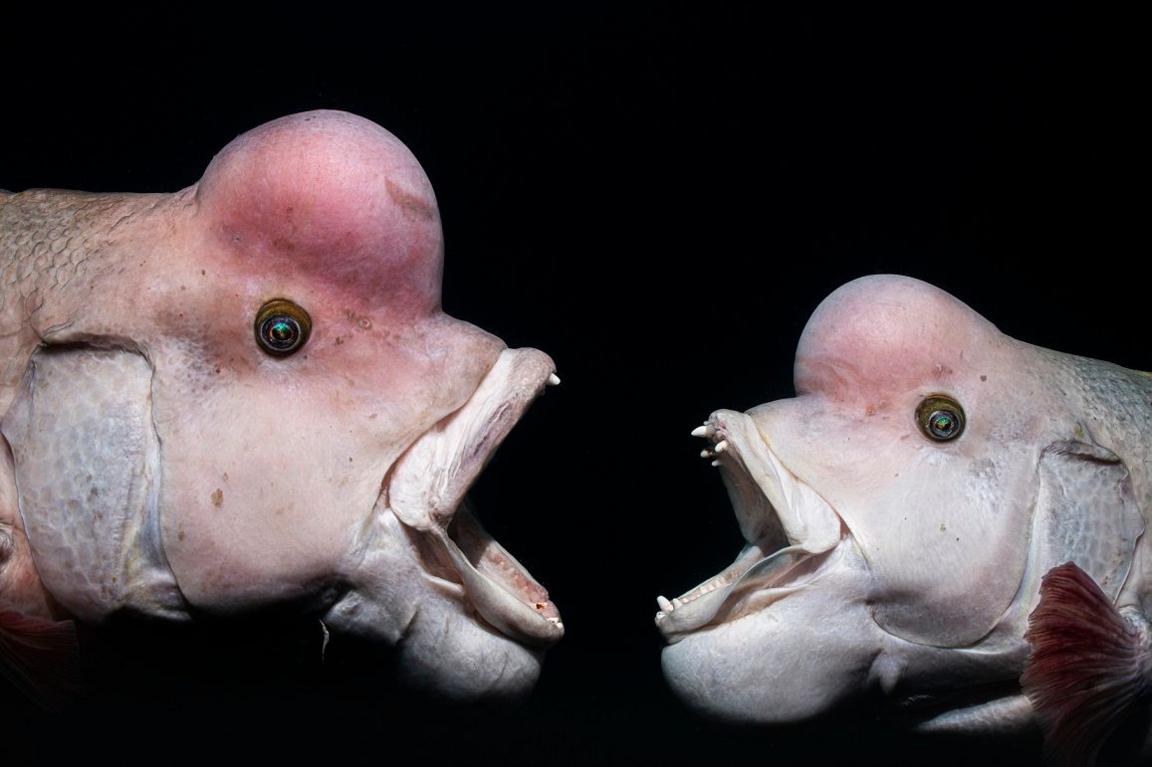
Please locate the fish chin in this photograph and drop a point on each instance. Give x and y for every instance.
(425, 490)
(446, 653)
(795, 657)
(790, 532)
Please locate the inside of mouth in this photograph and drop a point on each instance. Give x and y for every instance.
(759, 524)
(494, 561)
(753, 569)
(750, 555)
(426, 488)
(770, 566)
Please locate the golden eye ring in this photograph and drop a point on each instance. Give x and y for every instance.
(282, 327)
(940, 418)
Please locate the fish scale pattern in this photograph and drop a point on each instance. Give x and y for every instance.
(1116, 404)
(49, 238)
(83, 442)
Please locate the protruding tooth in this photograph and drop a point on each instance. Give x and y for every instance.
(706, 453)
(721, 446)
(702, 431)
(677, 602)
(553, 379)
(715, 463)
(664, 604)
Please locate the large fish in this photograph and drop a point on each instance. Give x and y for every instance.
(940, 511)
(246, 394)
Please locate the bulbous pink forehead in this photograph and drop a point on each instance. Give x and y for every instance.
(887, 333)
(330, 196)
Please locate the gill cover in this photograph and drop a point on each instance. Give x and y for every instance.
(1085, 513)
(86, 455)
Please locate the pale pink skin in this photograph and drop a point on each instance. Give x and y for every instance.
(272, 468)
(941, 546)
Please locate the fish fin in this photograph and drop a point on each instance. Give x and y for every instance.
(1086, 667)
(41, 657)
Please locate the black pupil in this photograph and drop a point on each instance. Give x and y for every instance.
(281, 333)
(943, 423)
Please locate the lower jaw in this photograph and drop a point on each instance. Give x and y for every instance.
(795, 658)
(753, 583)
(492, 587)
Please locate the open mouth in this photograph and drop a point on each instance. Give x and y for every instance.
(789, 529)
(426, 489)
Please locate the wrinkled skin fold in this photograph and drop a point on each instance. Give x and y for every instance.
(160, 462)
(882, 560)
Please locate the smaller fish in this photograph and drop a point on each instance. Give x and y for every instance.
(909, 515)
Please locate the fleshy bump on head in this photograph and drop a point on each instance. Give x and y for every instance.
(333, 197)
(885, 332)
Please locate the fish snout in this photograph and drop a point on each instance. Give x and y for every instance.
(426, 490)
(790, 530)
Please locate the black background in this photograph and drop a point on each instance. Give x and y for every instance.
(658, 198)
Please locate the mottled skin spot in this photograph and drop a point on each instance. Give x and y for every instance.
(410, 203)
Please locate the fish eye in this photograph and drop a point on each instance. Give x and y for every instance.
(940, 418)
(282, 327)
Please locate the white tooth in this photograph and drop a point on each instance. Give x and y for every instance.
(664, 604)
(677, 602)
(715, 463)
(707, 454)
(553, 379)
(701, 431)
(721, 446)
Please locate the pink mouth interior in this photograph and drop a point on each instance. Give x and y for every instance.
(492, 559)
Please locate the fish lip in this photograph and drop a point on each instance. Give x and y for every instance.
(425, 490)
(791, 532)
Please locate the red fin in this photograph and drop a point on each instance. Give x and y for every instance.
(1084, 671)
(40, 656)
